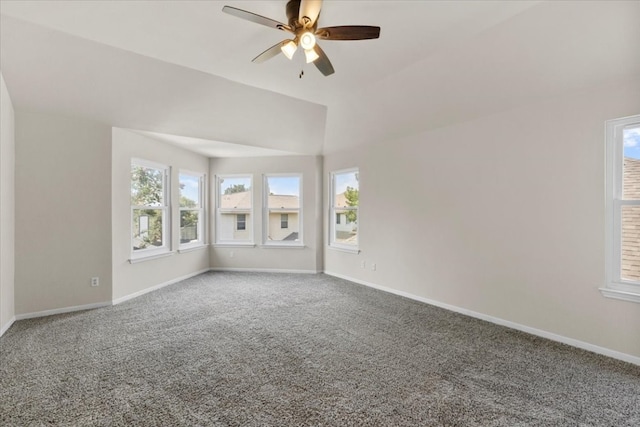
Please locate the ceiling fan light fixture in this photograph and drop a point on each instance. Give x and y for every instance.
(289, 48)
(311, 55)
(307, 40)
(302, 18)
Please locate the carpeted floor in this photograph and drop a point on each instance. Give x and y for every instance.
(249, 349)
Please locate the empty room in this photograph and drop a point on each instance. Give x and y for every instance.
(319, 213)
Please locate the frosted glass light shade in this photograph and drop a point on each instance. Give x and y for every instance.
(307, 40)
(289, 48)
(311, 55)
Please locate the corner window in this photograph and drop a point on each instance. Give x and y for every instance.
(234, 209)
(149, 208)
(191, 209)
(344, 201)
(623, 209)
(283, 210)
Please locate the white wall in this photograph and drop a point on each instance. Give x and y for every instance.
(130, 279)
(7, 207)
(307, 259)
(502, 216)
(63, 220)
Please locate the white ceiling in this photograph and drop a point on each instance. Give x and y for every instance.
(184, 68)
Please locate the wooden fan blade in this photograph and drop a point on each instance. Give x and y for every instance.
(322, 63)
(269, 53)
(348, 32)
(310, 9)
(249, 16)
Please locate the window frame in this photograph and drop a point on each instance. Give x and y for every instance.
(219, 211)
(156, 251)
(266, 211)
(616, 287)
(201, 209)
(333, 214)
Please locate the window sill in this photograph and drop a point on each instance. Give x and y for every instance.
(344, 249)
(234, 245)
(197, 247)
(282, 246)
(620, 295)
(142, 258)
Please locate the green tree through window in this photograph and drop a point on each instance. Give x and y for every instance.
(352, 195)
(147, 200)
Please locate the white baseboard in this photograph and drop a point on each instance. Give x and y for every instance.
(6, 326)
(156, 287)
(533, 331)
(62, 310)
(266, 270)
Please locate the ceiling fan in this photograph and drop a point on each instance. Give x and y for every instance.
(303, 24)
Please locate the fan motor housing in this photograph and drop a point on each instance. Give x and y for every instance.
(293, 9)
(293, 12)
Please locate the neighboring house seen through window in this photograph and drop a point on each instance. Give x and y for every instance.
(344, 201)
(149, 209)
(282, 210)
(623, 209)
(234, 209)
(191, 209)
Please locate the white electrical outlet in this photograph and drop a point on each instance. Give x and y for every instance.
(373, 266)
(95, 281)
(231, 254)
(363, 264)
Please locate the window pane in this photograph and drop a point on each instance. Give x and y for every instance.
(147, 228)
(346, 227)
(631, 167)
(284, 192)
(630, 250)
(189, 226)
(189, 191)
(235, 193)
(346, 190)
(284, 227)
(146, 186)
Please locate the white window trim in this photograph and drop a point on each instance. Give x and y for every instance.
(332, 214)
(616, 287)
(265, 216)
(165, 249)
(234, 245)
(251, 221)
(149, 257)
(201, 242)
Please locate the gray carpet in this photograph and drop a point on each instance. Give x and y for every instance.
(249, 349)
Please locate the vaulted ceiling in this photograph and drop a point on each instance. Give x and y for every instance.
(182, 72)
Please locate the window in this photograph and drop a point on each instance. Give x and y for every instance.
(241, 222)
(234, 209)
(344, 196)
(149, 208)
(623, 209)
(283, 210)
(191, 209)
